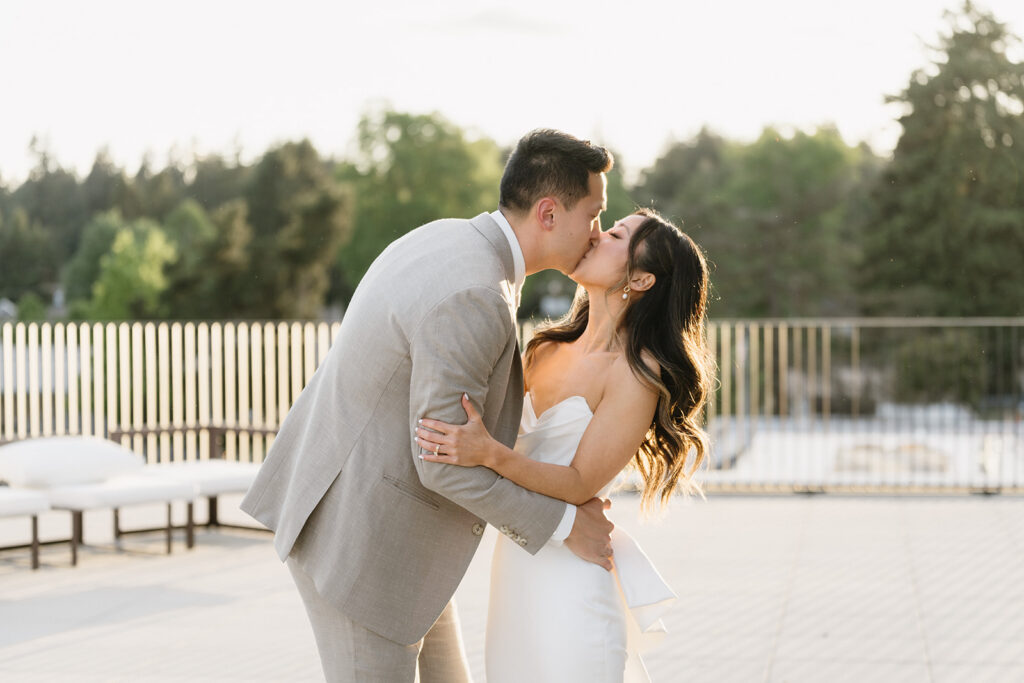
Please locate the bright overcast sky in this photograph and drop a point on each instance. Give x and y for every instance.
(213, 75)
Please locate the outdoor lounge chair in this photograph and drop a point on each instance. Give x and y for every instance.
(22, 503)
(210, 478)
(85, 473)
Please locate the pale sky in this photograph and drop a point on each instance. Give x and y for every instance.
(214, 75)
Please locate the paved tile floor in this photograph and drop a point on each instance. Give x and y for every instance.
(792, 589)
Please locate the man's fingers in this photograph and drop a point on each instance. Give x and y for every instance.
(607, 503)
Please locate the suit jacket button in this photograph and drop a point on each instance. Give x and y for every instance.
(478, 529)
(522, 542)
(503, 528)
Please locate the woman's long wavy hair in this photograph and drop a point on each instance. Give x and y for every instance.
(666, 322)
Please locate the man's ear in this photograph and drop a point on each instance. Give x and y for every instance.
(545, 213)
(641, 282)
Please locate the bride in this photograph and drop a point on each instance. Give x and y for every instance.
(621, 379)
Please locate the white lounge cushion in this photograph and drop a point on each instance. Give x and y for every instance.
(19, 502)
(119, 492)
(64, 461)
(210, 477)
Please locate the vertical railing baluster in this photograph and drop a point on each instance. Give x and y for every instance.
(8, 389)
(162, 375)
(295, 369)
(177, 391)
(137, 374)
(85, 371)
(74, 378)
(230, 387)
(205, 390)
(34, 402)
(156, 389)
(189, 332)
(858, 381)
(217, 384)
(124, 354)
(47, 390)
(256, 381)
(98, 393)
(826, 374)
(323, 342)
(783, 370)
(769, 370)
(112, 365)
(283, 379)
(726, 369)
(244, 419)
(270, 375)
(21, 392)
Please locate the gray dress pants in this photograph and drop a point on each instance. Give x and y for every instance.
(350, 653)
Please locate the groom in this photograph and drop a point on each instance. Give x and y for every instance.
(378, 540)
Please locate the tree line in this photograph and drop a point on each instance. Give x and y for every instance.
(794, 223)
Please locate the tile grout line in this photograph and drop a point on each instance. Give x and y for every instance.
(912, 566)
(789, 592)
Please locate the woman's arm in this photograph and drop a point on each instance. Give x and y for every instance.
(609, 442)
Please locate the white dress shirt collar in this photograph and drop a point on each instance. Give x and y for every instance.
(518, 260)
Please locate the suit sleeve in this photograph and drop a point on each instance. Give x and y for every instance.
(454, 350)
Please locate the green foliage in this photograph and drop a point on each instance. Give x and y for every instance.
(28, 257)
(131, 278)
(945, 366)
(217, 182)
(52, 199)
(31, 307)
(299, 216)
(107, 188)
(946, 236)
(411, 169)
(83, 269)
(193, 235)
(777, 218)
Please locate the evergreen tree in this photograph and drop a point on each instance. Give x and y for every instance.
(947, 234)
(299, 215)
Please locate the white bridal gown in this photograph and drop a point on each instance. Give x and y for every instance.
(554, 618)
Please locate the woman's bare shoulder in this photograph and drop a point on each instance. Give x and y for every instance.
(622, 376)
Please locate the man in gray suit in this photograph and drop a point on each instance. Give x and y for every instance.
(378, 540)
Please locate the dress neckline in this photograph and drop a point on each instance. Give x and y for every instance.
(540, 417)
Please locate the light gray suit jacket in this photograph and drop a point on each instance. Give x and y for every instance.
(386, 536)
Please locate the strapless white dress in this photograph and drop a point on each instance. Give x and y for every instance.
(554, 618)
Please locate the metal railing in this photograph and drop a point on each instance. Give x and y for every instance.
(858, 404)
(170, 391)
(868, 404)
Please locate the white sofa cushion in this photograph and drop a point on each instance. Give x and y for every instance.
(210, 477)
(18, 502)
(118, 492)
(64, 461)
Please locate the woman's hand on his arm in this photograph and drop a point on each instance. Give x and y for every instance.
(466, 445)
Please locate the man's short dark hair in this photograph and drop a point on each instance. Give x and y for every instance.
(550, 163)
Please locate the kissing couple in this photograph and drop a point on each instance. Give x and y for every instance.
(424, 423)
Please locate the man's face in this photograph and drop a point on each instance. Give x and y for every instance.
(577, 229)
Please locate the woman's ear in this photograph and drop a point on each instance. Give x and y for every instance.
(641, 282)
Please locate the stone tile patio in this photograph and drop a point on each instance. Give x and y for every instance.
(786, 588)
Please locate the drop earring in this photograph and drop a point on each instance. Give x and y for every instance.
(625, 292)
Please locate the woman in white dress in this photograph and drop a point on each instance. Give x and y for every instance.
(621, 379)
